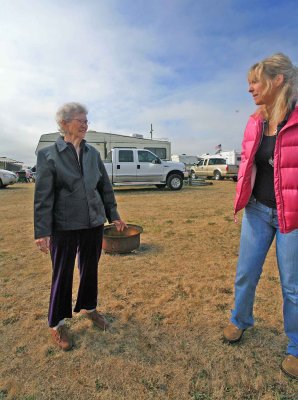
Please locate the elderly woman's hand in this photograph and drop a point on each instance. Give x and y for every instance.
(120, 225)
(43, 244)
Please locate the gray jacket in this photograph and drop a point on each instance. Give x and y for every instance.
(69, 196)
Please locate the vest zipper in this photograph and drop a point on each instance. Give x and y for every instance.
(262, 134)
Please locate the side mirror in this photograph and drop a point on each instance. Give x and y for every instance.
(156, 161)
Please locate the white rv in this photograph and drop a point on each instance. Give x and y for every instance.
(233, 157)
(187, 160)
(105, 142)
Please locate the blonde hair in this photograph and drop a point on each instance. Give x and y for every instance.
(67, 112)
(265, 71)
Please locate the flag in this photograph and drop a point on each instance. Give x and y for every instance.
(218, 148)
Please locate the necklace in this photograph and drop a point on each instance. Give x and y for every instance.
(271, 159)
(268, 130)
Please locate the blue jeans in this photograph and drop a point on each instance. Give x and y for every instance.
(259, 226)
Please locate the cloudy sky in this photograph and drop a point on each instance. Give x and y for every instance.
(178, 64)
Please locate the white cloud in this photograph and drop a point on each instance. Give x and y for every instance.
(177, 64)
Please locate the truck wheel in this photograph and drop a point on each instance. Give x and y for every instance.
(161, 186)
(235, 178)
(217, 175)
(175, 182)
(193, 175)
(1, 184)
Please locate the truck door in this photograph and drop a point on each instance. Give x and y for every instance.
(149, 167)
(210, 167)
(125, 167)
(199, 169)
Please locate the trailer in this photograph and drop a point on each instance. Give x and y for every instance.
(186, 159)
(10, 164)
(233, 157)
(104, 142)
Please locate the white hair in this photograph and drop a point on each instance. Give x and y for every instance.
(67, 112)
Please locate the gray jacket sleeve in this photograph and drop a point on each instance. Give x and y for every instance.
(43, 197)
(107, 194)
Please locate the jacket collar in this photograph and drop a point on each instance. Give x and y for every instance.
(293, 118)
(62, 145)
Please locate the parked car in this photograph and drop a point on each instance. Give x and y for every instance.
(33, 172)
(7, 178)
(214, 167)
(128, 166)
(29, 175)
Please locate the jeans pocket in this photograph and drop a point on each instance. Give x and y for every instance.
(252, 200)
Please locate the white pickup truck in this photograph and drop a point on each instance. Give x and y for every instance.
(128, 166)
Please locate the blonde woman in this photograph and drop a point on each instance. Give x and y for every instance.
(268, 189)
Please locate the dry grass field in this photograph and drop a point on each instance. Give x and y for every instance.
(167, 302)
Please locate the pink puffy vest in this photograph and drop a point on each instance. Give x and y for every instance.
(285, 169)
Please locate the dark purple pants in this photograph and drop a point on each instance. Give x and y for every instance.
(64, 247)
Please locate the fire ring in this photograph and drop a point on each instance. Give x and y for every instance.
(115, 242)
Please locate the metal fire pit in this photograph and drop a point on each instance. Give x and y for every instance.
(121, 242)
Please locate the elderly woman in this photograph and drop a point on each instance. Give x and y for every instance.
(268, 189)
(73, 199)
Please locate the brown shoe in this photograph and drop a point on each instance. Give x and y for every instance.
(232, 334)
(98, 319)
(290, 366)
(61, 338)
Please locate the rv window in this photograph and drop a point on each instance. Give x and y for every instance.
(160, 152)
(125, 156)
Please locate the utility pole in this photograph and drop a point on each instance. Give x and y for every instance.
(151, 131)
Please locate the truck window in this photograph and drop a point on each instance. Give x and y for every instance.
(201, 162)
(219, 161)
(145, 156)
(206, 161)
(125, 156)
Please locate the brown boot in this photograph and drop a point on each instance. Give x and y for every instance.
(290, 366)
(98, 319)
(232, 334)
(61, 338)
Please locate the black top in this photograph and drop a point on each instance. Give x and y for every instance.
(80, 158)
(264, 185)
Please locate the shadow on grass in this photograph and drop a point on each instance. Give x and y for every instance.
(148, 189)
(139, 189)
(11, 188)
(144, 248)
